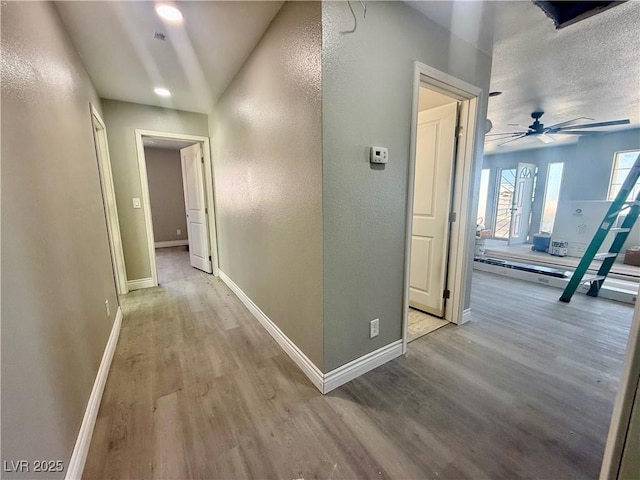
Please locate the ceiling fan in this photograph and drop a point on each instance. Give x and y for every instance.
(542, 133)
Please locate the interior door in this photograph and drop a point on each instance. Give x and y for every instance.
(195, 206)
(435, 150)
(521, 206)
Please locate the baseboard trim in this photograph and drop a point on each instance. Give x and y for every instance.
(81, 448)
(361, 365)
(141, 283)
(171, 243)
(306, 365)
(323, 382)
(466, 316)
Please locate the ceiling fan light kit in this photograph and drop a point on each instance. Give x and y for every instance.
(542, 133)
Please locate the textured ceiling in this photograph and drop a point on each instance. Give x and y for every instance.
(590, 69)
(471, 20)
(167, 144)
(196, 62)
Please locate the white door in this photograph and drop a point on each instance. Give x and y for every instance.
(521, 206)
(195, 206)
(435, 150)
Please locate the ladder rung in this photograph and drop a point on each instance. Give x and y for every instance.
(620, 230)
(600, 256)
(592, 278)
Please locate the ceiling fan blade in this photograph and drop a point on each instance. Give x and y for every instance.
(512, 140)
(600, 124)
(517, 125)
(579, 132)
(498, 139)
(569, 122)
(505, 133)
(544, 138)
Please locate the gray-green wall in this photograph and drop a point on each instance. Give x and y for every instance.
(122, 119)
(166, 194)
(266, 139)
(367, 83)
(56, 266)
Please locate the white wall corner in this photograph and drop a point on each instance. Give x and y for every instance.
(141, 283)
(81, 448)
(323, 382)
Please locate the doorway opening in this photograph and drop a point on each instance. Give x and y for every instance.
(443, 132)
(177, 198)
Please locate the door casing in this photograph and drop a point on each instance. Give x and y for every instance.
(463, 228)
(146, 202)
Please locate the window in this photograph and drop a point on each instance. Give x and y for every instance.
(551, 196)
(622, 163)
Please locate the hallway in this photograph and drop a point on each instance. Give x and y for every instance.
(198, 389)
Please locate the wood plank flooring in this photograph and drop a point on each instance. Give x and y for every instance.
(198, 389)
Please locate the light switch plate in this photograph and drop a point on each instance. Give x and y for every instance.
(136, 203)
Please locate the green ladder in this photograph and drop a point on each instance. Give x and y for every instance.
(619, 204)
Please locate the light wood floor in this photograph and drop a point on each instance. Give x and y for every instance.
(198, 389)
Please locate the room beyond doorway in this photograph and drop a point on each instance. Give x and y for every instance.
(177, 196)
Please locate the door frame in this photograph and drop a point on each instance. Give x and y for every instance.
(109, 200)
(461, 230)
(146, 201)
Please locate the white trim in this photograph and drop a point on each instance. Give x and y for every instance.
(81, 448)
(323, 382)
(109, 200)
(171, 243)
(624, 404)
(459, 266)
(290, 348)
(360, 366)
(146, 203)
(142, 283)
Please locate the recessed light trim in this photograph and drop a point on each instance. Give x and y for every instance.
(169, 12)
(162, 92)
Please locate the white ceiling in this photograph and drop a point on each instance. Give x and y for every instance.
(166, 143)
(589, 69)
(471, 20)
(196, 62)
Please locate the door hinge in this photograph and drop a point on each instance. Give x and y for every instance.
(209, 257)
(201, 159)
(446, 294)
(206, 210)
(458, 130)
(452, 217)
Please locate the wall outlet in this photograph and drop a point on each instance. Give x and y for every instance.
(107, 309)
(136, 202)
(178, 232)
(374, 328)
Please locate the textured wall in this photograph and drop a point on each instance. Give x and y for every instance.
(367, 84)
(56, 267)
(164, 174)
(122, 119)
(267, 150)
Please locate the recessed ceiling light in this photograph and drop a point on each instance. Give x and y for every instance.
(169, 12)
(163, 92)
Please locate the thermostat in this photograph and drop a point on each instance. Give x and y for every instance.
(379, 155)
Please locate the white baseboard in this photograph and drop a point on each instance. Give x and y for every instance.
(141, 283)
(466, 316)
(81, 448)
(323, 382)
(171, 243)
(306, 365)
(360, 366)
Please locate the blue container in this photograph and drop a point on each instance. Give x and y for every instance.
(541, 242)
